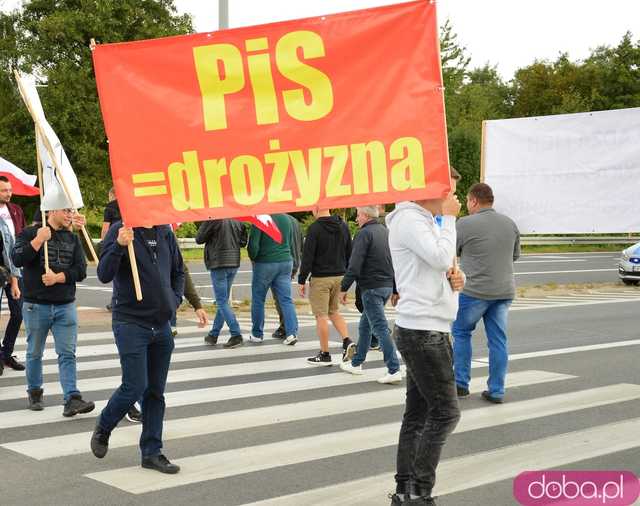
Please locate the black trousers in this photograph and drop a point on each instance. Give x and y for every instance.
(15, 320)
(431, 412)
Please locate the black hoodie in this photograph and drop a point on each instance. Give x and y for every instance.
(327, 248)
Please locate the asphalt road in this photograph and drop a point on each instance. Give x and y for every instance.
(530, 270)
(256, 425)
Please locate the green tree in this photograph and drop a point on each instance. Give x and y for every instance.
(608, 79)
(51, 40)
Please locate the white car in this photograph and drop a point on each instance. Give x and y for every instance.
(629, 265)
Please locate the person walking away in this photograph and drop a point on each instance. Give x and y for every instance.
(326, 252)
(371, 268)
(272, 268)
(223, 240)
(297, 241)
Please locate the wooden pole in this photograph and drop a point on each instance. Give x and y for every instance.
(483, 151)
(42, 212)
(49, 149)
(134, 271)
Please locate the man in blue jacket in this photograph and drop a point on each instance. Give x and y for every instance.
(142, 332)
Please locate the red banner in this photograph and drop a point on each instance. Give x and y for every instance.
(330, 112)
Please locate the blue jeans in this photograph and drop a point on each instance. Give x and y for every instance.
(62, 320)
(277, 276)
(494, 314)
(15, 320)
(145, 354)
(373, 320)
(222, 280)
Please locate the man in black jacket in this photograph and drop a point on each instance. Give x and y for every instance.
(49, 297)
(223, 240)
(142, 332)
(325, 255)
(371, 267)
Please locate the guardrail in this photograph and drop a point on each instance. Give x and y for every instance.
(570, 240)
(190, 243)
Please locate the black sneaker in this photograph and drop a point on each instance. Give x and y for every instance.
(211, 340)
(76, 405)
(134, 415)
(323, 358)
(348, 349)
(395, 500)
(279, 333)
(1, 368)
(234, 342)
(375, 343)
(160, 463)
(35, 399)
(108, 307)
(461, 391)
(13, 363)
(491, 398)
(99, 442)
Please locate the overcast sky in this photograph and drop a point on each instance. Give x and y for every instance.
(506, 33)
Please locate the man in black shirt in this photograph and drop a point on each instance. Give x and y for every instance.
(111, 213)
(110, 216)
(49, 297)
(325, 256)
(142, 332)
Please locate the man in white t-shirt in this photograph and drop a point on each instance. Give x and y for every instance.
(12, 223)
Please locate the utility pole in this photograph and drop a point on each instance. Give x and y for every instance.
(223, 14)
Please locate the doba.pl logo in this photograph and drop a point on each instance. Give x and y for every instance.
(576, 488)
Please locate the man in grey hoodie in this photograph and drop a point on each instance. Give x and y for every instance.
(423, 261)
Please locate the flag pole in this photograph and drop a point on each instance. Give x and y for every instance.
(51, 152)
(134, 271)
(130, 250)
(42, 212)
(65, 188)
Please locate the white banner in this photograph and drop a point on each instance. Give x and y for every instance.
(567, 174)
(54, 196)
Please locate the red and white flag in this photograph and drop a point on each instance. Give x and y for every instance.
(265, 223)
(21, 182)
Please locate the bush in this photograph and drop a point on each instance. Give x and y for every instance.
(188, 229)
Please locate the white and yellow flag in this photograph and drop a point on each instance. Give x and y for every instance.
(60, 184)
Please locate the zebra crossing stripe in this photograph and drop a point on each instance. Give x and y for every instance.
(245, 325)
(110, 349)
(207, 354)
(24, 417)
(463, 473)
(228, 463)
(73, 444)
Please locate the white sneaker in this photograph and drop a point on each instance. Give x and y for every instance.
(254, 339)
(351, 369)
(290, 340)
(391, 379)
